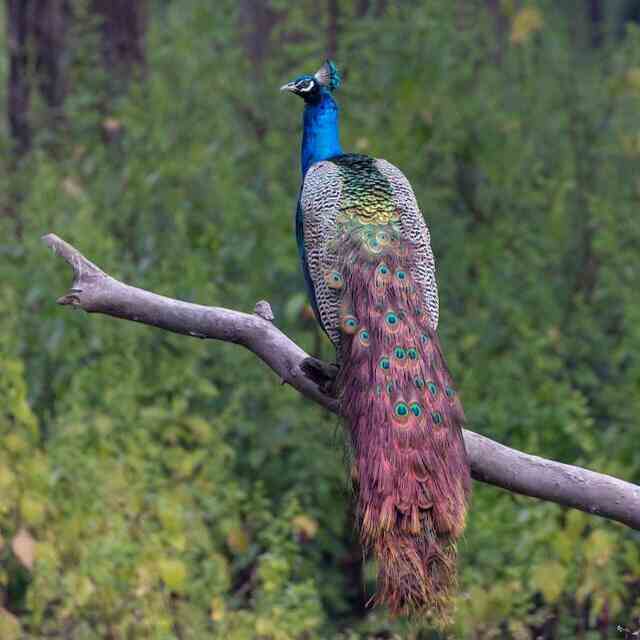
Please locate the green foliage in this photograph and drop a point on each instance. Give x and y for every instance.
(153, 486)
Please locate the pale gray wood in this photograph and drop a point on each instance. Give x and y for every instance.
(95, 291)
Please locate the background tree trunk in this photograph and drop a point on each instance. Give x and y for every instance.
(37, 36)
(257, 22)
(501, 24)
(51, 20)
(36, 33)
(596, 17)
(333, 18)
(18, 93)
(124, 27)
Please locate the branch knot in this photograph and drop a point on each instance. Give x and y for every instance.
(263, 309)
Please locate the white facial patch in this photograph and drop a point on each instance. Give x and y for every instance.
(307, 87)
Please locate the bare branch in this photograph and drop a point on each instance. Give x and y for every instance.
(95, 291)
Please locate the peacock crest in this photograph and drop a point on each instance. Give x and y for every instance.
(327, 75)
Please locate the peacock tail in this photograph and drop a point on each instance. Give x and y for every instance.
(367, 255)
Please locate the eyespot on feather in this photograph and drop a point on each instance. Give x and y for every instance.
(374, 245)
(383, 272)
(383, 237)
(334, 280)
(416, 409)
(349, 324)
(401, 356)
(401, 412)
(392, 321)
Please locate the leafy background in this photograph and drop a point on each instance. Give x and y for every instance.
(153, 486)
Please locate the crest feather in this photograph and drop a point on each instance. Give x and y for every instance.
(328, 76)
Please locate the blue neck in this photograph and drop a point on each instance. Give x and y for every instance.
(321, 135)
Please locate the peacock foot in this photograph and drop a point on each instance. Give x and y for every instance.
(322, 373)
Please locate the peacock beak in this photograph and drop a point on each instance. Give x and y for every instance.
(290, 86)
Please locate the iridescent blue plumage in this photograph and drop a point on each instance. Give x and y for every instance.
(320, 141)
(320, 134)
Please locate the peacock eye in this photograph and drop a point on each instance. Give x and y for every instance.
(334, 280)
(364, 338)
(383, 237)
(419, 382)
(433, 388)
(450, 392)
(385, 363)
(391, 319)
(401, 275)
(412, 353)
(350, 324)
(416, 409)
(399, 353)
(437, 417)
(401, 412)
(383, 269)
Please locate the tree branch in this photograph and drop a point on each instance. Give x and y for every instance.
(95, 291)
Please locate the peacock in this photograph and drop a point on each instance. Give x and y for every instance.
(370, 275)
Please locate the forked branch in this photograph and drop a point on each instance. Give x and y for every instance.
(95, 291)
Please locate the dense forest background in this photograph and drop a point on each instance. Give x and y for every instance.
(153, 486)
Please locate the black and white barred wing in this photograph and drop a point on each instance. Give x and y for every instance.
(320, 201)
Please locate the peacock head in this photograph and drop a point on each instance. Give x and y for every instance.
(311, 88)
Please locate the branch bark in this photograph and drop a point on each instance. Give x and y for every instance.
(95, 291)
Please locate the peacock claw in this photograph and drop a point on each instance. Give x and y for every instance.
(321, 372)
